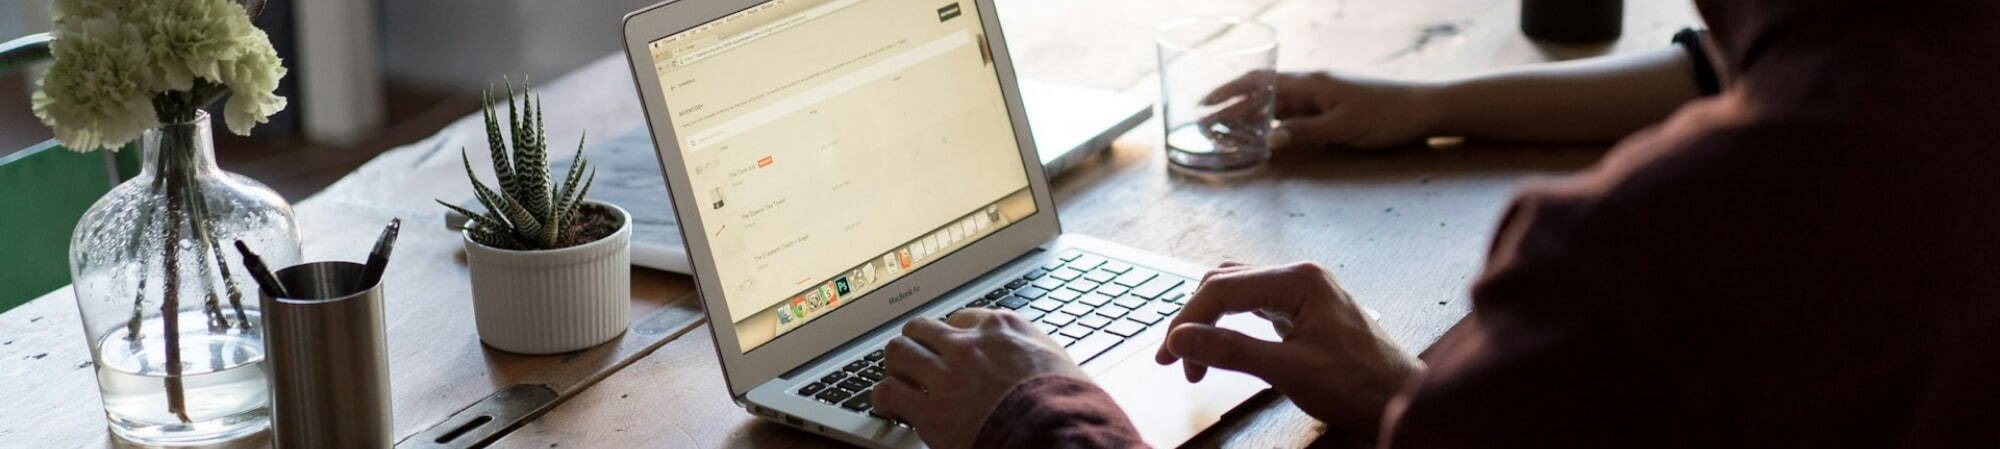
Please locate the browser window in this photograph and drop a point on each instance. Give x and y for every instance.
(836, 145)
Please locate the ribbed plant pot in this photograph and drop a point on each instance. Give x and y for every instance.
(553, 301)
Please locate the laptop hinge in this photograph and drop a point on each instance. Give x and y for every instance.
(815, 362)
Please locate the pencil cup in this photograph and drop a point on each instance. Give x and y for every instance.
(329, 359)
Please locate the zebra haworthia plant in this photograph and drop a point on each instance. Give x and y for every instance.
(528, 212)
(581, 293)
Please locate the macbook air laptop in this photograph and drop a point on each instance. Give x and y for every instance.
(839, 167)
(1071, 124)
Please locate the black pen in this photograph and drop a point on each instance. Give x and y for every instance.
(260, 273)
(378, 258)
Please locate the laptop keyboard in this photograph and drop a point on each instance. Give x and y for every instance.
(1086, 302)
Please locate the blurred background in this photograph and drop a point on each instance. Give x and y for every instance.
(366, 75)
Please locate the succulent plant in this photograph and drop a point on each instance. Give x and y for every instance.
(527, 212)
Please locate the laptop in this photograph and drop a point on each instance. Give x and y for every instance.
(1072, 123)
(839, 167)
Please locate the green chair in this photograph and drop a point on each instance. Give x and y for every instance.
(43, 191)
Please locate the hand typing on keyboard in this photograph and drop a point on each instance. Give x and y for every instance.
(946, 376)
(1333, 361)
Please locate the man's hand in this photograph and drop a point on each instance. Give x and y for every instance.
(1318, 109)
(946, 377)
(1333, 362)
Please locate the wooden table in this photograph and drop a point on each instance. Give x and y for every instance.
(1404, 231)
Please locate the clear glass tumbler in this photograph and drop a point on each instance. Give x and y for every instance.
(1216, 92)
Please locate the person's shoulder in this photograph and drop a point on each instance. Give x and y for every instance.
(1722, 191)
(1712, 181)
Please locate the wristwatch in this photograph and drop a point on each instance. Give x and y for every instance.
(1705, 76)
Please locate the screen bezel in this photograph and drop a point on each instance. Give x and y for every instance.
(743, 371)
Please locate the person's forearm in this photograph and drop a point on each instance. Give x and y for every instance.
(1591, 100)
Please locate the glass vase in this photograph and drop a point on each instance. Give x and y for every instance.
(169, 310)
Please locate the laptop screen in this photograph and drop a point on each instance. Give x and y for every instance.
(834, 146)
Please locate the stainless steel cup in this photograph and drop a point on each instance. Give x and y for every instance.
(329, 360)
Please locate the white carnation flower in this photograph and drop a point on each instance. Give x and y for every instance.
(190, 38)
(253, 78)
(63, 10)
(114, 58)
(93, 97)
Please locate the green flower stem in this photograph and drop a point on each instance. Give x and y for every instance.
(170, 298)
(133, 328)
(253, 8)
(199, 209)
(206, 251)
(177, 167)
(180, 106)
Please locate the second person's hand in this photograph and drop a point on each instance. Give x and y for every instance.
(1332, 361)
(1319, 109)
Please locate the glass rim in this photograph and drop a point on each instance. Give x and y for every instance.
(1160, 39)
(201, 117)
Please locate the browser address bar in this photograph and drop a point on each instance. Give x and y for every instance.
(763, 31)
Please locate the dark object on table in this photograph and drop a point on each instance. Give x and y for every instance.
(378, 258)
(1573, 21)
(259, 272)
(1705, 76)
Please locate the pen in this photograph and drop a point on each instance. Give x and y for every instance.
(378, 258)
(260, 273)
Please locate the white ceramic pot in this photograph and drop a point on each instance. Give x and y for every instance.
(553, 301)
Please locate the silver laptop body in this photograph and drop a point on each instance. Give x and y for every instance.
(842, 166)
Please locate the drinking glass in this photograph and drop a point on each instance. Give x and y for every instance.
(1216, 92)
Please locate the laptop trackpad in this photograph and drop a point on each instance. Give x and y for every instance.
(1163, 405)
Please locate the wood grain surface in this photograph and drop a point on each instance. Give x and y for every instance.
(1405, 231)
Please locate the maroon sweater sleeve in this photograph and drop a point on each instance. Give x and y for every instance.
(1055, 411)
(1807, 260)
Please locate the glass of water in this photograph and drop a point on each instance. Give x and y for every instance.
(1216, 92)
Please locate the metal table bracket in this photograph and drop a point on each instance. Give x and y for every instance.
(484, 421)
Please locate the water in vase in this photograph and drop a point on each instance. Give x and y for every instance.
(223, 373)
